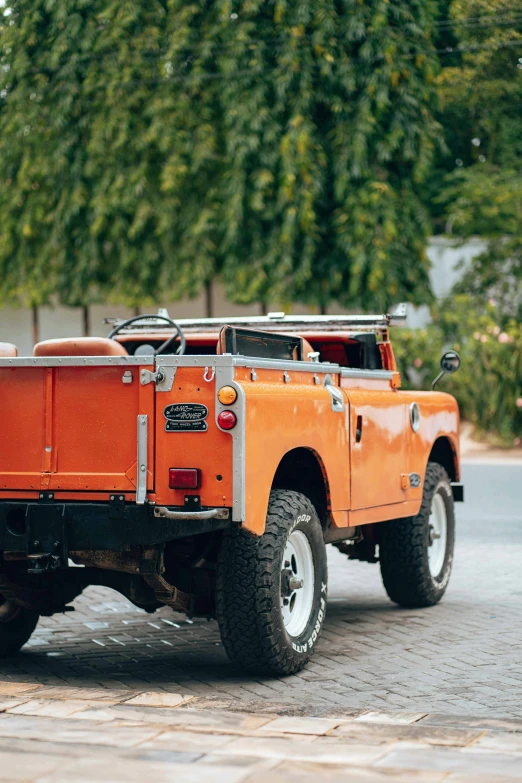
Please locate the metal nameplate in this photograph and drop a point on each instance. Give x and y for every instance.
(185, 426)
(186, 417)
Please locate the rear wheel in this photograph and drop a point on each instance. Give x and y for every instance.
(16, 626)
(271, 589)
(416, 553)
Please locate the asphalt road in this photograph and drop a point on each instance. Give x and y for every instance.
(460, 657)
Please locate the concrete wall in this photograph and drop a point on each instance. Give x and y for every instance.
(16, 325)
(448, 261)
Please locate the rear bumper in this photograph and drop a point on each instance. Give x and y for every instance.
(55, 529)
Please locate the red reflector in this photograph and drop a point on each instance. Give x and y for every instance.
(184, 478)
(227, 420)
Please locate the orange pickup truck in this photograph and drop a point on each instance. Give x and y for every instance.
(205, 464)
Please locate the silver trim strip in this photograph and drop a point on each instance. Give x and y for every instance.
(280, 364)
(225, 377)
(141, 467)
(228, 360)
(208, 513)
(191, 361)
(385, 375)
(75, 361)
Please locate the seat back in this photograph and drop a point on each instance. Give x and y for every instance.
(80, 346)
(8, 349)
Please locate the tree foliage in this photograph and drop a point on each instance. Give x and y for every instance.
(488, 386)
(147, 144)
(482, 117)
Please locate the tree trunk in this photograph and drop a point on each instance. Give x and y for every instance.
(136, 310)
(209, 299)
(35, 324)
(86, 321)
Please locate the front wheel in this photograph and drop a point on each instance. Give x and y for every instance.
(271, 589)
(416, 553)
(16, 626)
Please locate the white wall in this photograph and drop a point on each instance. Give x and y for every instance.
(448, 261)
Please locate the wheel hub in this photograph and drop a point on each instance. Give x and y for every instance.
(437, 535)
(297, 583)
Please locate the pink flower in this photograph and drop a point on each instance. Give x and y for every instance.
(493, 302)
(505, 338)
(496, 330)
(519, 402)
(418, 362)
(484, 338)
(476, 335)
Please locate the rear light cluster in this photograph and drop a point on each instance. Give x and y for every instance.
(184, 478)
(227, 395)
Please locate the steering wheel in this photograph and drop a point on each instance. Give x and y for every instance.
(168, 341)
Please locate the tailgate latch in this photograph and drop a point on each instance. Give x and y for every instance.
(146, 376)
(163, 378)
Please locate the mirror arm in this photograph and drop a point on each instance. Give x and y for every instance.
(437, 379)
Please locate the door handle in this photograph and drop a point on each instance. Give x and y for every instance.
(358, 429)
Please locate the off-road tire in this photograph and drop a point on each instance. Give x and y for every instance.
(248, 590)
(16, 626)
(403, 548)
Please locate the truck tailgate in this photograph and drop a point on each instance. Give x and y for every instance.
(73, 427)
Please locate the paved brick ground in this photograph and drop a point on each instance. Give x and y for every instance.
(57, 734)
(460, 657)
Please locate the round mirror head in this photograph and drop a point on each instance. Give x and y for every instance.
(450, 362)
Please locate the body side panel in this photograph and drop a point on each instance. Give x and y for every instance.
(281, 416)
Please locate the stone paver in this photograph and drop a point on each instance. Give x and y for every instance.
(190, 744)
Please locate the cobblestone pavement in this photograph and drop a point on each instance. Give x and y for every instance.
(460, 657)
(57, 734)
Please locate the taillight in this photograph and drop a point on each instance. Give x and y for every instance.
(227, 420)
(184, 478)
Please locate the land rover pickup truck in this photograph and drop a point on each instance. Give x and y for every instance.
(204, 465)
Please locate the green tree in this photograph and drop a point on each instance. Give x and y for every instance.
(145, 146)
(482, 116)
(102, 160)
(327, 125)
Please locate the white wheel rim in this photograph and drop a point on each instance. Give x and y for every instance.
(298, 566)
(437, 534)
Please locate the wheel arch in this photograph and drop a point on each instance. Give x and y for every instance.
(444, 453)
(302, 470)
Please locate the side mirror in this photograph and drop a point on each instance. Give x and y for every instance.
(449, 364)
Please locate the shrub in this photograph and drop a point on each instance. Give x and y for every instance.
(488, 386)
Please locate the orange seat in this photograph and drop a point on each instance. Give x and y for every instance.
(8, 349)
(79, 346)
